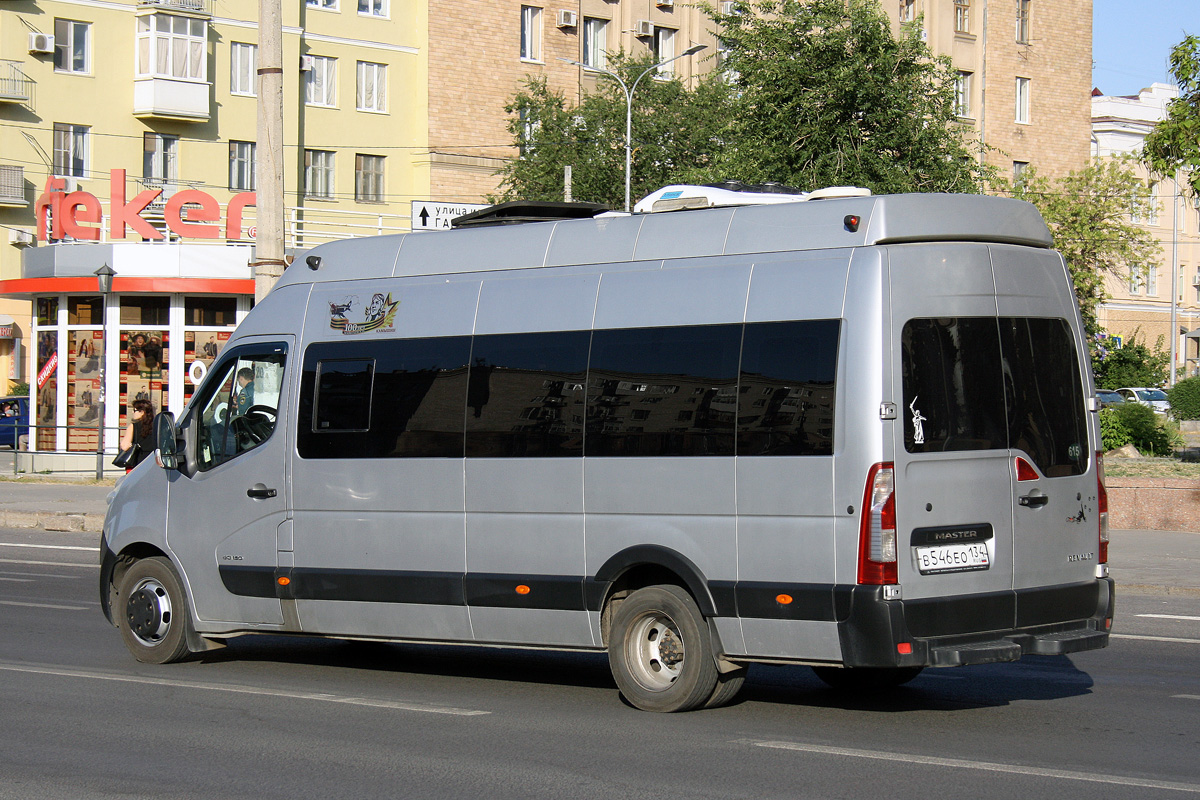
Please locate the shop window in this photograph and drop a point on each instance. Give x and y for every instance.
(210, 312)
(145, 311)
(86, 350)
(47, 311)
(85, 311)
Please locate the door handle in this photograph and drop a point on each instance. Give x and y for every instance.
(1033, 500)
(260, 491)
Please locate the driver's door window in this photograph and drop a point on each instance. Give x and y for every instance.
(241, 413)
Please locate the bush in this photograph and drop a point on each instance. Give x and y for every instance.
(18, 390)
(1113, 433)
(1185, 399)
(1134, 364)
(1146, 432)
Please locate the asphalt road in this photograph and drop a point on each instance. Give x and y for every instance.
(273, 717)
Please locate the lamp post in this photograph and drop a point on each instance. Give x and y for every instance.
(629, 90)
(104, 277)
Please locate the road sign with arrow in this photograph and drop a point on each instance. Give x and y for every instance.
(429, 215)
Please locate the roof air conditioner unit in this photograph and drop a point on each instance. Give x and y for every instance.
(20, 238)
(306, 63)
(41, 43)
(567, 18)
(665, 3)
(644, 28)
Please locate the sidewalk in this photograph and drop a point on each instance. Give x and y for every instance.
(1141, 562)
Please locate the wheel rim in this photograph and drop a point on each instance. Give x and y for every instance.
(148, 611)
(654, 650)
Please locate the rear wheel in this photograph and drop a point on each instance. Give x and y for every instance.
(152, 612)
(661, 653)
(867, 678)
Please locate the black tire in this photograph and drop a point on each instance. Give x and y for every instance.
(867, 678)
(728, 686)
(660, 651)
(152, 612)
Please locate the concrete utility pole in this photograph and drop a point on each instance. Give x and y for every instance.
(268, 168)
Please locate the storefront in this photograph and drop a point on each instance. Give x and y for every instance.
(171, 309)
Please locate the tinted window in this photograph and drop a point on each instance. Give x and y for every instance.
(343, 400)
(663, 391)
(525, 395)
(787, 388)
(417, 400)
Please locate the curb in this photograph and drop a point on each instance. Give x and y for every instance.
(76, 523)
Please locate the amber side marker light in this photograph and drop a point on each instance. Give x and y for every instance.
(851, 222)
(522, 589)
(283, 581)
(783, 599)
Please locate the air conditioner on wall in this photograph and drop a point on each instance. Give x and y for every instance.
(41, 43)
(70, 183)
(306, 63)
(665, 3)
(644, 28)
(20, 238)
(567, 18)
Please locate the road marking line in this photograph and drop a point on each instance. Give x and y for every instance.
(51, 546)
(235, 689)
(1171, 616)
(48, 563)
(43, 605)
(17, 580)
(958, 763)
(1153, 638)
(1186, 696)
(44, 575)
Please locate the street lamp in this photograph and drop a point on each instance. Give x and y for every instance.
(104, 277)
(629, 90)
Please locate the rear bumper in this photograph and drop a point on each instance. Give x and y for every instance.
(974, 629)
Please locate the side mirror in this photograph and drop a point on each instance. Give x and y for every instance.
(164, 434)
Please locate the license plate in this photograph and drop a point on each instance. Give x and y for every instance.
(952, 558)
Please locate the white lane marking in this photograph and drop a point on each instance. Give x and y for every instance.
(24, 574)
(48, 563)
(43, 605)
(1153, 638)
(1170, 616)
(17, 580)
(51, 546)
(1186, 696)
(958, 763)
(235, 689)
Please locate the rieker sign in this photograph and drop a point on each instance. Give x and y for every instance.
(185, 213)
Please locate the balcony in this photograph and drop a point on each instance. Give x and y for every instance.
(12, 186)
(204, 7)
(171, 98)
(15, 85)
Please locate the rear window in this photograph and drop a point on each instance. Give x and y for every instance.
(982, 383)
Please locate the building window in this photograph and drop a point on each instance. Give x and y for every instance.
(908, 10)
(1019, 169)
(172, 47)
(324, 5)
(368, 179)
(962, 16)
(530, 126)
(243, 68)
(1022, 109)
(1023, 21)
(1152, 201)
(318, 173)
(595, 42)
(241, 166)
(160, 158)
(1135, 280)
(1152, 280)
(72, 46)
(320, 82)
(664, 50)
(373, 8)
(70, 150)
(372, 86)
(531, 33)
(962, 94)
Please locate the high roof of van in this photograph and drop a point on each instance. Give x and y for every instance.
(747, 229)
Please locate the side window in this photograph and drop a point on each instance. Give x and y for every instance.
(663, 391)
(241, 411)
(788, 383)
(343, 400)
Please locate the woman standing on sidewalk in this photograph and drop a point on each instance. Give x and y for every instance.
(139, 430)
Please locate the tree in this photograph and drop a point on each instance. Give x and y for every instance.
(1174, 144)
(1132, 364)
(827, 96)
(1089, 213)
(676, 130)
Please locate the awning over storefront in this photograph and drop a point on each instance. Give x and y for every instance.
(7, 326)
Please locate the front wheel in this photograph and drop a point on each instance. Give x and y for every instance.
(152, 612)
(660, 651)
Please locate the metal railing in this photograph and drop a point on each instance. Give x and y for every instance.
(199, 6)
(14, 84)
(29, 459)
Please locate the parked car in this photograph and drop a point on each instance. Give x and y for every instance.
(1155, 398)
(1109, 398)
(14, 420)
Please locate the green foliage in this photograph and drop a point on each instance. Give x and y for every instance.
(1184, 397)
(1134, 364)
(1146, 431)
(1089, 214)
(828, 96)
(18, 390)
(809, 93)
(1174, 143)
(1113, 433)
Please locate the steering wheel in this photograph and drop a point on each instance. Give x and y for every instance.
(261, 411)
(252, 428)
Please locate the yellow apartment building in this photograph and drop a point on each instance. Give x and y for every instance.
(1140, 299)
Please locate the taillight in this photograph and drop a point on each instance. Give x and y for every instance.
(1102, 503)
(877, 528)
